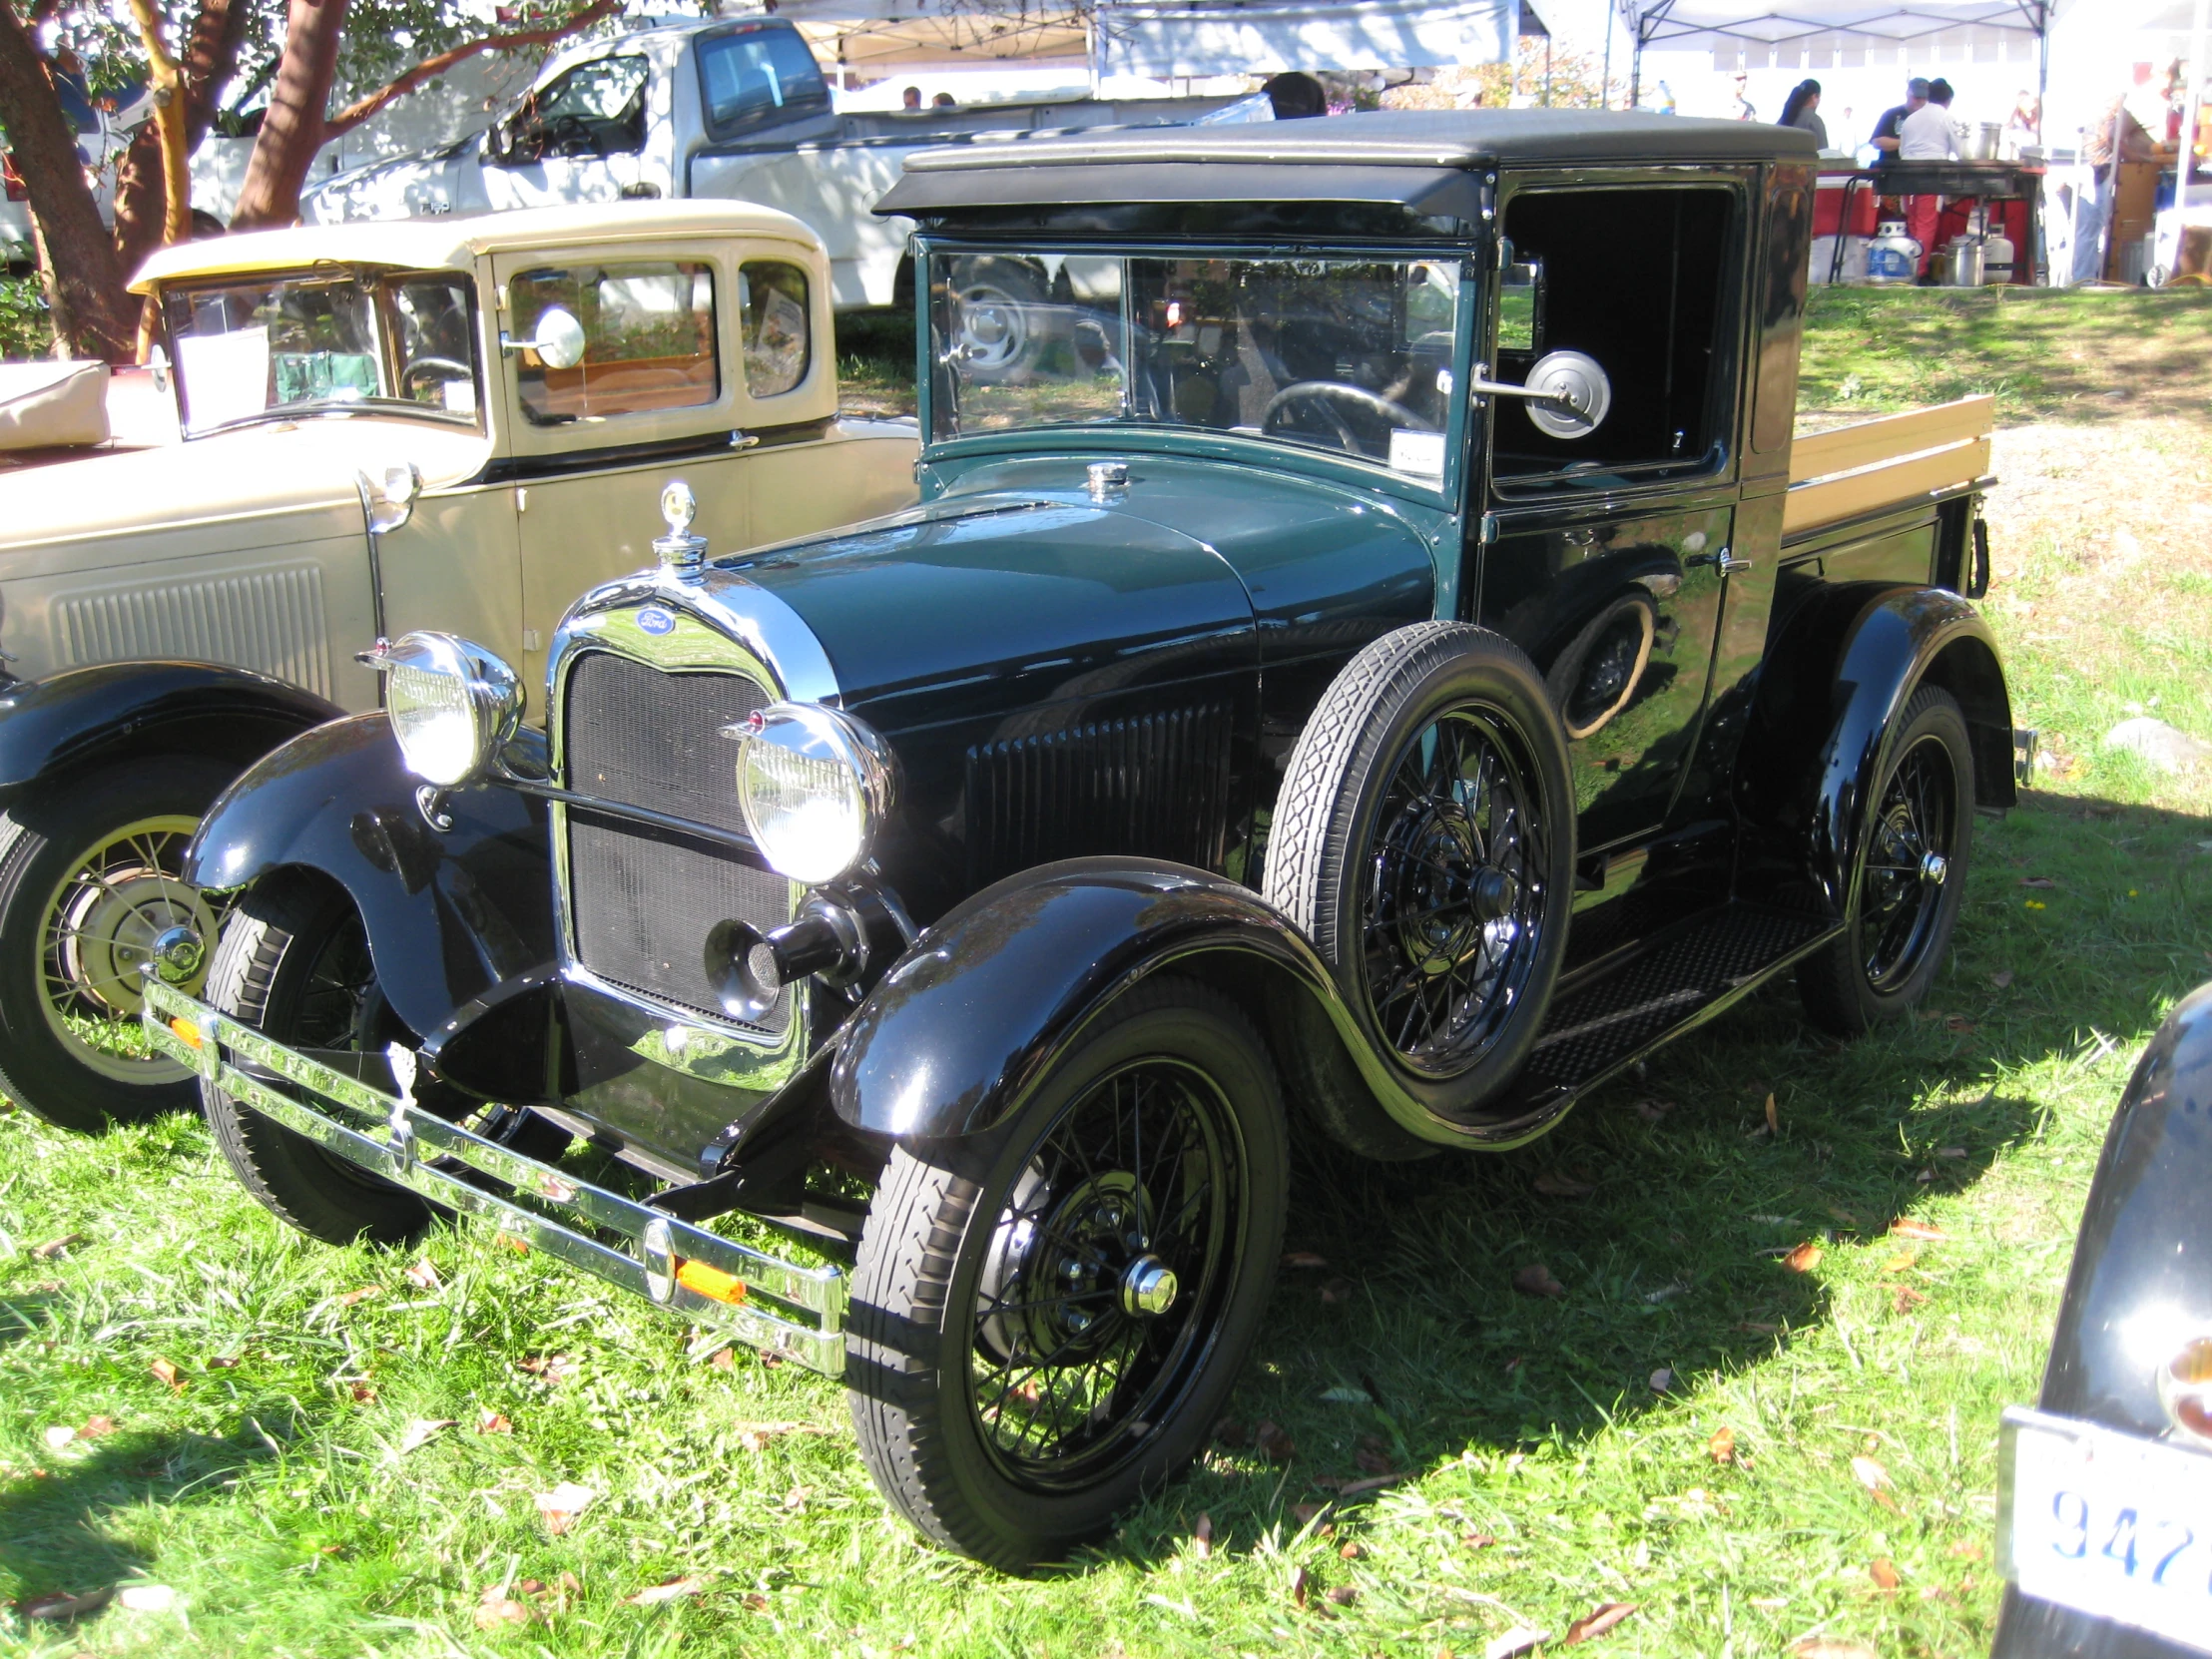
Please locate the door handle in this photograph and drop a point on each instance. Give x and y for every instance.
(1720, 561)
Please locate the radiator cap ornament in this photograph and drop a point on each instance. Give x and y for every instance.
(680, 551)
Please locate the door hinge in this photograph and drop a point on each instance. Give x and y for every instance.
(1488, 531)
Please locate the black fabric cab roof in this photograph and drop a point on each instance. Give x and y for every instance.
(1411, 157)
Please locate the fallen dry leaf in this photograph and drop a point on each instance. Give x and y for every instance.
(674, 1589)
(2037, 881)
(1305, 1512)
(365, 1394)
(723, 1359)
(1757, 1328)
(1652, 1109)
(1202, 1537)
(1774, 1118)
(1722, 1447)
(1371, 1483)
(560, 1508)
(1516, 1641)
(1303, 1259)
(1371, 1456)
(2001, 979)
(1536, 1280)
(1477, 1540)
(1805, 1258)
(1908, 1226)
(1831, 1647)
(424, 1275)
(1559, 1184)
(1965, 1549)
(554, 1368)
(1299, 1586)
(1662, 1379)
(1351, 1552)
(56, 1247)
(62, 1605)
(164, 1371)
(1871, 1474)
(223, 1362)
(493, 1422)
(348, 1299)
(1960, 1023)
(755, 1602)
(499, 1610)
(1340, 1595)
(1272, 1444)
(1903, 1299)
(420, 1431)
(1336, 1291)
(1598, 1621)
(95, 1427)
(1884, 1572)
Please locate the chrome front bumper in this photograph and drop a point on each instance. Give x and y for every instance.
(713, 1281)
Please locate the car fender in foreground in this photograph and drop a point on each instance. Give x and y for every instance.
(109, 711)
(451, 912)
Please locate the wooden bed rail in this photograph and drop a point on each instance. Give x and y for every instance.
(1857, 468)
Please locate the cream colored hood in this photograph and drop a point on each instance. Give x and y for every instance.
(254, 480)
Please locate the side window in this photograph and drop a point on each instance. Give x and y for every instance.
(771, 308)
(1655, 322)
(647, 332)
(596, 109)
(751, 76)
(1781, 280)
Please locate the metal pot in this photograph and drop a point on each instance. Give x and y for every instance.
(1966, 264)
(1981, 141)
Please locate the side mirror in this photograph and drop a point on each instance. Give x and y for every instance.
(1567, 393)
(560, 340)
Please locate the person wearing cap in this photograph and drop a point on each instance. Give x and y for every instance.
(1885, 130)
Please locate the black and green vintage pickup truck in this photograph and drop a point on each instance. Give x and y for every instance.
(1377, 669)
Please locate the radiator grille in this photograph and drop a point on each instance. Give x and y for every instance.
(633, 734)
(642, 905)
(1154, 786)
(271, 620)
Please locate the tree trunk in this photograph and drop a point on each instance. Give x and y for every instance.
(211, 58)
(292, 132)
(93, 315)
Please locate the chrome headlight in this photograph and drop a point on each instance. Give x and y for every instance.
(813, 785)
(451, 702)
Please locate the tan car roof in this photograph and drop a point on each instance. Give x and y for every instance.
(453, 242)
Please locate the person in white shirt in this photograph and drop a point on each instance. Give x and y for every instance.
(1926, 135)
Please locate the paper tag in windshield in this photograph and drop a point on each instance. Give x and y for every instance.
(1417, 453)
(226, 375)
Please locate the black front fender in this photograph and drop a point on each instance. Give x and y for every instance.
(451, 913)
(1840, 674)
(2140, 1287)
(115, 711)
(967, 1022)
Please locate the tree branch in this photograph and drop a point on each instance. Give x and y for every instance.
(430, 68)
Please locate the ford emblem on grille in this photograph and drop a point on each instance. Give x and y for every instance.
(654, 620)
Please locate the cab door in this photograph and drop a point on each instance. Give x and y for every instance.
(700, 362)
(1606, 548)
(581, 137)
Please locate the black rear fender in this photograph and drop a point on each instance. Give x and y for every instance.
(451, 913)
(972, 1018)
(82, 718)
(1838, 673)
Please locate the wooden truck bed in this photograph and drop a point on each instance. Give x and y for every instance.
(1891, 462)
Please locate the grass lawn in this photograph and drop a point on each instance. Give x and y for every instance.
(1759, 1411)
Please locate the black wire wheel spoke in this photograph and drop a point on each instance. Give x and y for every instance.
(1451, 894)
(1106, 1263)
(1906, 865)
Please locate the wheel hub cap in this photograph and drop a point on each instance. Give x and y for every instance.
(1147, 1287)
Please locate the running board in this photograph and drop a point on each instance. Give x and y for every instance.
(1691, 972)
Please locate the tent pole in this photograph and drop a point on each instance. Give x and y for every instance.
(1606, 75)
(2195, 94)
(1636, 68)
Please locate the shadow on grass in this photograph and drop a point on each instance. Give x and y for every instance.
(1665, 1208)
(56, 1531)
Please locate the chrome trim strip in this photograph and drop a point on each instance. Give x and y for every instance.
(411, 1140)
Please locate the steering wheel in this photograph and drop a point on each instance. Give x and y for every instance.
(569, 127)
(445, 368)
(1397, 414)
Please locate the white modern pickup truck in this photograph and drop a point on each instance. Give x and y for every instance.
(439, 424)
(731, 108)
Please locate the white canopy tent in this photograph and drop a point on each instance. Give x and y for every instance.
(875, 38)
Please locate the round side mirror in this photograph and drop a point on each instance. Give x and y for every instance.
(1581, 393)
(560, 341)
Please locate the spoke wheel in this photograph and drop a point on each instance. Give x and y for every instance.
(91, 875)
(98, 933)
(1453, 895)
(1047, 1318)
(1002, 321)
(1424, 840)
(1909, 877)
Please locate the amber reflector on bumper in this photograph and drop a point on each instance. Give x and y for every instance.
(2185, 1389)
(710, 1282)
(187, 1030)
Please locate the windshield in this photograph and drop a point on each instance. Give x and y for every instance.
(324, 341)
(1351, 355)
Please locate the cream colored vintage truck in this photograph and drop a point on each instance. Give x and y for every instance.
(458, 424)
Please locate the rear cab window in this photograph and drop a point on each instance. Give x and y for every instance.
(773, 319)
(649, 334)
(754, 76)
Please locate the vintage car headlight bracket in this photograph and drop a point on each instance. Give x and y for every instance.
(815, 786)
(452, 703)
